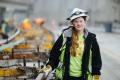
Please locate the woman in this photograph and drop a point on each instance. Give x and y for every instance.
(77, 49)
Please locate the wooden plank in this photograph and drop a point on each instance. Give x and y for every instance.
(41, 76)
(17, 56)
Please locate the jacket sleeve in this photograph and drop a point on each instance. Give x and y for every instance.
(96, 58)
(55, 53)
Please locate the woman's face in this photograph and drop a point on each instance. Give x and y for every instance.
(79, 24)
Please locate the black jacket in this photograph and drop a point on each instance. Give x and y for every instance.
(90, 43)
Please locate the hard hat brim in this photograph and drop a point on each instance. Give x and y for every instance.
(76, 16)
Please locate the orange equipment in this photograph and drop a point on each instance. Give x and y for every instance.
(39, 21)
(26, 25)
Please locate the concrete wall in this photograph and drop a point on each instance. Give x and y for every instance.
(99, 10)
(106, 10)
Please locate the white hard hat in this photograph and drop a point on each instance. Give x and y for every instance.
(76, 12)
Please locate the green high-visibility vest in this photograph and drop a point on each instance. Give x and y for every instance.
(78, 73)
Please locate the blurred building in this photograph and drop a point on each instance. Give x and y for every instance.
(100, 11)
(15, 8)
